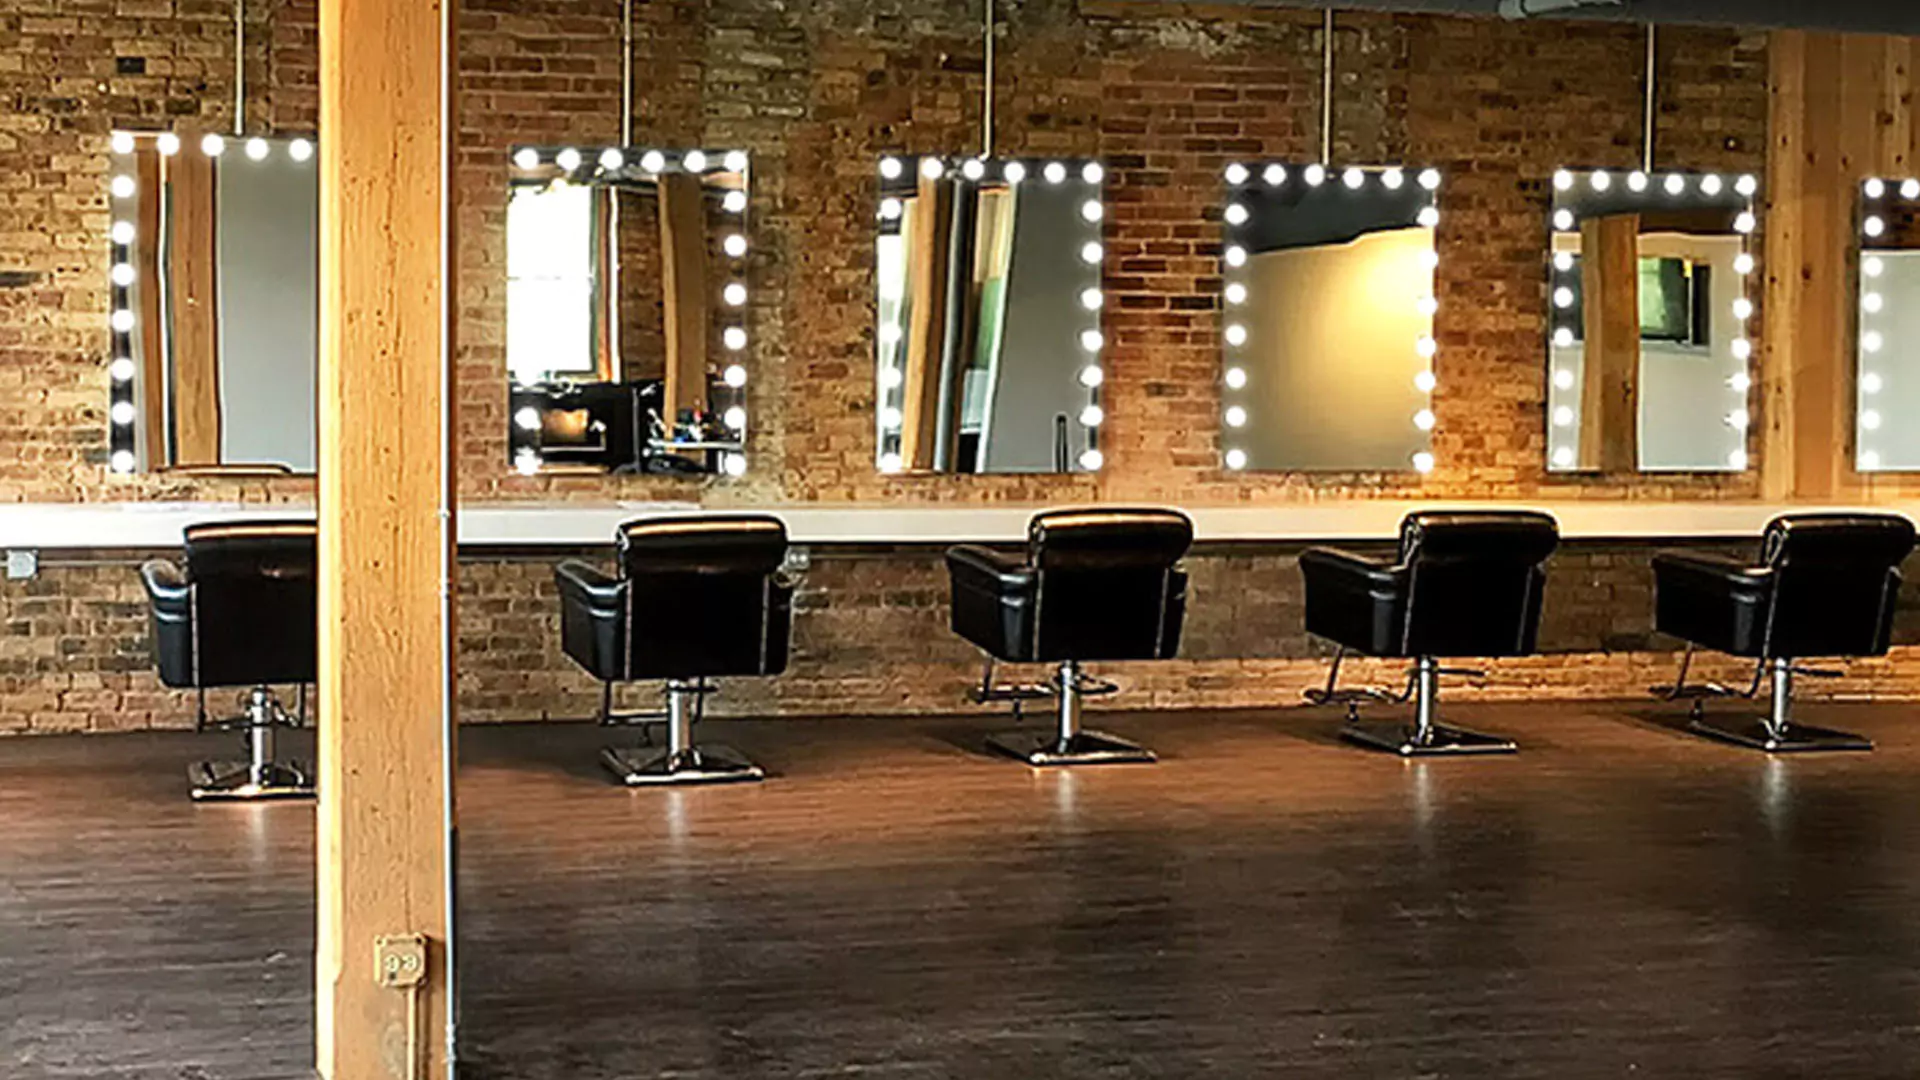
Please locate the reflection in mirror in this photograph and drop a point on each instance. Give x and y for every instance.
(626, 310)
(216, 303)
(988, 342)
(1327, 325)
(1649, 342)
(1888, 370)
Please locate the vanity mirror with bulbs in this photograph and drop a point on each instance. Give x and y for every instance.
(1887, 375)
(628, 342)
(1327, 318)
(214, 281)
(1650, 321)
(988, 339)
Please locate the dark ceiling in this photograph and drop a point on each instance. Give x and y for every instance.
(1880, 16)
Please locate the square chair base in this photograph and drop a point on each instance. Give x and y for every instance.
(1396, 737)
(1751, 732)
(1043, 749)
(701, 765)
(232, 781)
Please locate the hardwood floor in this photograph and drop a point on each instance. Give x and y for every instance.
(1618, 900)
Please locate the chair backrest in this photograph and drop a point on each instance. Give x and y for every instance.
(1475, 579)
(255, 603)
(701, 596)
(1109, 587)
(1836, 578)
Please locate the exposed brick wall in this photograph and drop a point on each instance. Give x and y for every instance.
(871, 637)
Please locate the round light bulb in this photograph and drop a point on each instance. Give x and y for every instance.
(890, 209)
(1353, 178)
(1738, 419)
(890, 463)
(1910, 189)
(121, 142)
(1092, 340)
(257, 149)
(1236, 173)
(1743, 264)
(1711, 184)
(1236, 293)
(735, 417)
(122, 187)
(973, 169)
(1014, 172)
(1316, 175)
(1236, 334)
(1738, 460)
(300, 150)
(1274, 175)
(890, 168)
(1236, 459)
(695, 161)
(1423, 462)
(611, 159)
(1237, 378)
(735, 161)
(1236, 416)
(735, 294)
(1091, 210)
(1875, 226)
(1742, 348)
(1054, 172)
(1423, 420)
(1563, 416)
(1091, 253)
(1091, 376)
(1873, 302)
(1563, 220)
(1563, 297)
(734, 245)
(1426, 347)
(1636, 181)
(568, 159)
(1092, 416)
(1601, 181)
(1869, 460)
(123, 232)
(1425, 382)
(1236, 214)
(1871, 341)
(1743, 308)
(1092, 173)
(890, 377)
(1091, 460)
(121, 370)
(1563, 379)
(1563, 457)
(1430, 179)
(1741, 383)
(526, 158)
(1563, 261)
(1744, 222)
(1563, 338)
(121, 320)
(734, 202)
(168, 144)
(1870, 419)
(1872, 266)
(1091, 299)
(1393, 179)
(1236, 255)
(1427, 306)
(1746, 185)
(213, 146)
(1876, 188)
(735, 376)
(123, 461)
(734, 338)
(734, 465)
(1676, 184)
(1563, 180)
(122, 274)
(123, 413)
(653, 161)
(527, 419)
(891, 419)
(889, 333)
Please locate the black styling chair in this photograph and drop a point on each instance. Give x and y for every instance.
(696, 598)
(1463, 584)
(1097, 584)
(1825, 585)
(243, 614)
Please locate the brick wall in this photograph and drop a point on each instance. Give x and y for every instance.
(817, 91)
(871, 637)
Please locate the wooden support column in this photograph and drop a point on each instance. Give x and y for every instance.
(386, 536)
(928, 226)
(1841, 109)
(683, 279)
(194, 305)
(1610, 394)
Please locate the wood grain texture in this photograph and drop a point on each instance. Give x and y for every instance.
(1617, 900)
(1841, 110)
(683, 281)
(1610, 398)
(194, 303)
(386, 530)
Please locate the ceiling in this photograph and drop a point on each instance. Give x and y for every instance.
(1880, 16)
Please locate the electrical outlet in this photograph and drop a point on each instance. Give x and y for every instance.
(22, 564)
(400, 960)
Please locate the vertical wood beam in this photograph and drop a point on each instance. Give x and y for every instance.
(928, 225)
(194, 304)
(683, 279)
(1610, 396)
(386, 533)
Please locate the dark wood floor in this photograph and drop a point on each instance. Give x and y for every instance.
(1617, 901)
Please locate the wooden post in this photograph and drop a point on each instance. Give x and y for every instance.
(386, 537)
(684, 285)
(194, 351)
(928, 226)
(1610, 394)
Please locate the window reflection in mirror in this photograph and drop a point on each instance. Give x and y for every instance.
(988, 298)
(1887, 379)
(214, 277)
(626, 310)
(1327, 318)
(1651, 327)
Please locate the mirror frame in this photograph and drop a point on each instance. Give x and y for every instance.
(899, 172)
(123, 318)
(1680, 187)
(529, 161)
(1877, 198)
(1242, 176)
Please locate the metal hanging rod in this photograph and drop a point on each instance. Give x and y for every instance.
(1653, 78)
(1326, 90)
(986, 89)
(239, 67)
(626, 72)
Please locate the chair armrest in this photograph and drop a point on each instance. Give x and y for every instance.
(166, 586)
(593, 628)
(992, 601)
(1354, 601)
(1710, 571)
(170, 621)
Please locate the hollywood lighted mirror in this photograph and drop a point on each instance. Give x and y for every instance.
(1887, 380)
(214, 279)
(987, 282)
(1327, 318)
(627, 301)
(1650, 328)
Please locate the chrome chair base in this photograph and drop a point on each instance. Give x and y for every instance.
(1044, 749)
(699, 765)
(233, 781)
(1755, 733)
(1443, 740)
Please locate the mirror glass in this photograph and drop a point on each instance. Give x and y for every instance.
(987, 275)
(216, 303)
(1650, 322)
(627, 310)
(1327, 318)
(1888, 373)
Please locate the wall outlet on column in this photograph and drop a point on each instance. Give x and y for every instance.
(22, 564)
(400, 960)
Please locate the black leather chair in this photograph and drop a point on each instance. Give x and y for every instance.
(1825, 585)
(1463, 584)
(696, 598)
(1096, 584)
(242, 614)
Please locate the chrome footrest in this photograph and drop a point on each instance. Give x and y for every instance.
(1011, 692)
(233, 781)
(1753, 732)
(1043, 750)
(1396, 737)
(1352, 696)
(700, 765)
(1695, 692)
